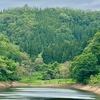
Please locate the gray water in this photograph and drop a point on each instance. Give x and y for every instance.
(45, 94)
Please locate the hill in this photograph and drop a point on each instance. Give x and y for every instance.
(60, 33)
(56, 34)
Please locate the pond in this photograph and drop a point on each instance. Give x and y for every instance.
(45, 94)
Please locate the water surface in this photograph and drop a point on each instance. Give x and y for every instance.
(45, 94)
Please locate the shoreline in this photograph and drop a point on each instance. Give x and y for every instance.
(19, 84)
(87, 88)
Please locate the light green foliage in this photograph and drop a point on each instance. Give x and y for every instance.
(25, 66)
(13, 63)
(64, 69)
(38, 63)
(95, 80)
(8, 54)
(3, 38)
(8, 70)
(94, 46)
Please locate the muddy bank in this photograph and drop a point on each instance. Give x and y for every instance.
(12, 84)
(87, 88)
(18, 84)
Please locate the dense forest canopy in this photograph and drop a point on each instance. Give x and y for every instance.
(65, 32)
(58, 34)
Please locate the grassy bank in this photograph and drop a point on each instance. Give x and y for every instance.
(52, 81)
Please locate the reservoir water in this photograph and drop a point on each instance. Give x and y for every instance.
(45, 94)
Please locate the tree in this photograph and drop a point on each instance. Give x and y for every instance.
(83, 66)
(8, 70)
(94, 46)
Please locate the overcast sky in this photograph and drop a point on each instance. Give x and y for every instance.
(76, 4)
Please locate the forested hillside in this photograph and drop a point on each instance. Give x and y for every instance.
(58, 34)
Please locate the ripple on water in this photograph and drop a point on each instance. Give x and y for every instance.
(45, 94)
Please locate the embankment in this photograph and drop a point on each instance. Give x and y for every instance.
(87, 88)
(12, 84)
(18, 84)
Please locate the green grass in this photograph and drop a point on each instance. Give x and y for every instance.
(37, 76)
(60, 81)
(52, 81)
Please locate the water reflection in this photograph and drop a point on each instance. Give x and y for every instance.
(45, 94)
